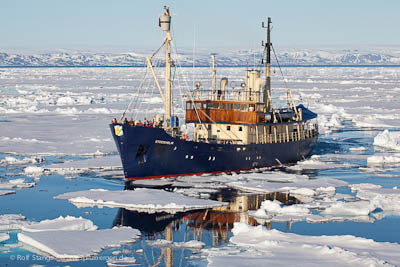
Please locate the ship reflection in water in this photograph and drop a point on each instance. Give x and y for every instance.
(211, 226)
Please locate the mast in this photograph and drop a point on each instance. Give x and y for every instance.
(213, 78)
(267, 88)
(165, 25)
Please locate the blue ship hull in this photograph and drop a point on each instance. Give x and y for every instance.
(148, 152)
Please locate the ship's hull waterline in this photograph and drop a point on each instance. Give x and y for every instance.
(148, 152)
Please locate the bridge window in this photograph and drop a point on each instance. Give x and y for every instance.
(223, 105)
(230, 106)
(216, 105)
(197, 105)
(188, 105)
(237, 106)
(204, 105)
(244, 107)
(252, 108)
(209, 105)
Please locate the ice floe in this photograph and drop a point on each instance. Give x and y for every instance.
(357, 208)
(192, 244)
(257, 246)
(33, 170)
(298, 186)
(384, 159)
(326, 207)
(271, 209)
(315, 164)
(357, 149)
(60, 224)
(78, 244)
(92, 163)
(140, 199)
(9, 222)
(16, 184)
(6, 192)
(16, 161)
(122, 262)
(4, 237)
(387, 139)
(97, 164)
(387, 199)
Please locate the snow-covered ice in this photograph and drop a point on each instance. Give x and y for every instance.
(298, 186)
(9, 160)
(6, 192)
(357, 208)
(192, 244)
(10, 222)
(315, 164)
(89, 164)
(60, 224)
(387, 199)
(78, 244)
(121, 262)
(387, 139)
(140, 199)
(357, 149)
(4, 237)
(269, 207)
(33, 170)
(257, 246)
(384, 159)
(19, 183)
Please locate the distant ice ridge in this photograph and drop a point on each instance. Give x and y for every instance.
(257, 246)
(227, 58)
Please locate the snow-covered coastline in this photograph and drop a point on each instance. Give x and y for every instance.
(228, 58)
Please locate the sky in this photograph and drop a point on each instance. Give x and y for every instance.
(133, 24)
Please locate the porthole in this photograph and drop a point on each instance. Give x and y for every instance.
(191, 157)
(187, 156)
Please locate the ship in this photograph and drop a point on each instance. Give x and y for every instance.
(232, 129)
